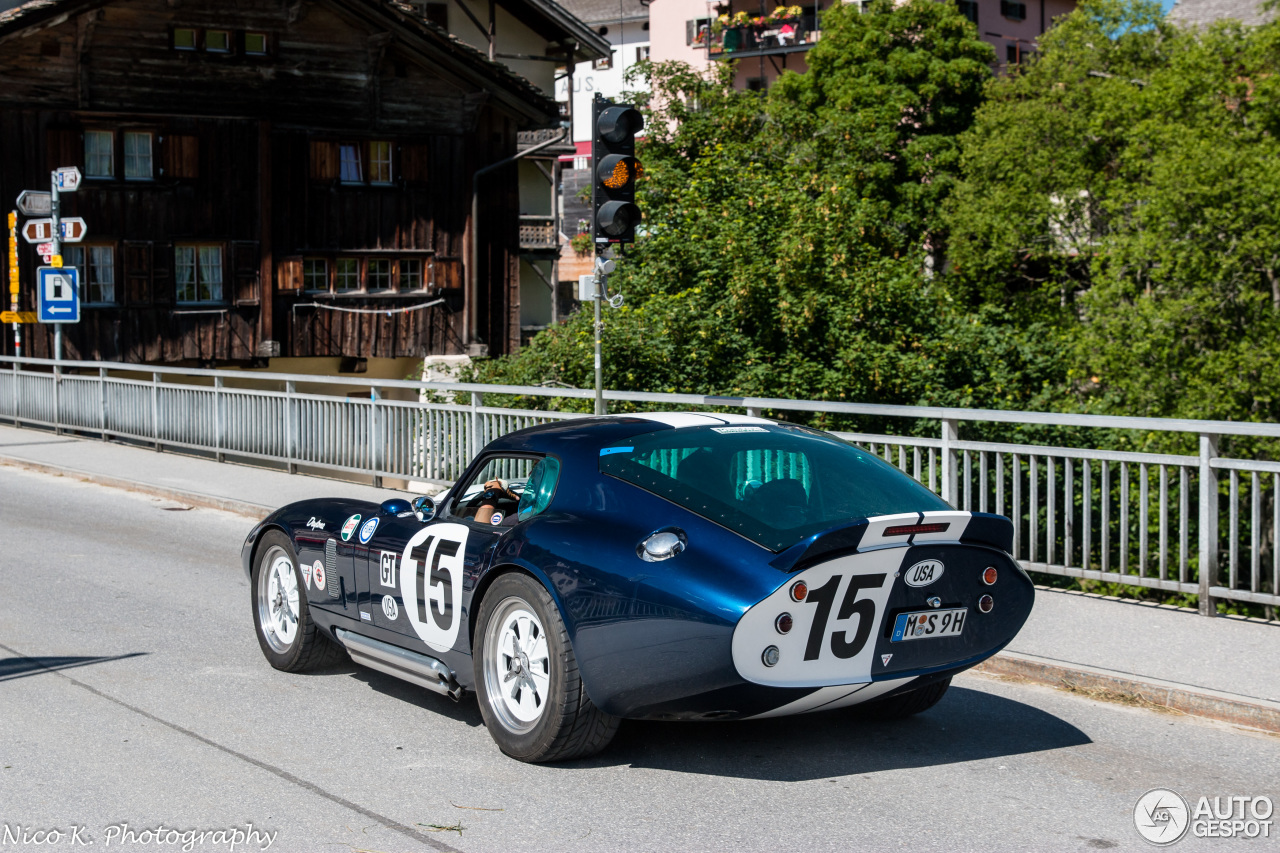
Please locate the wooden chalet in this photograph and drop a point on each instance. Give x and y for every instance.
(266, 177)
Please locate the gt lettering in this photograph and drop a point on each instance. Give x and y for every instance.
(865, 609)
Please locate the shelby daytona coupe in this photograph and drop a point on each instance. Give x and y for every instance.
(660, 566)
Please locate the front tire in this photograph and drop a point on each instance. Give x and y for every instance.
(527, 680)
(290, 640)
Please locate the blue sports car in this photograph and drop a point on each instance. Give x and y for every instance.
(657, 566)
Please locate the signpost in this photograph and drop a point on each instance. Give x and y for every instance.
(35, 203)
(57, 288)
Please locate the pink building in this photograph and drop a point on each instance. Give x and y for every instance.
(766, 39)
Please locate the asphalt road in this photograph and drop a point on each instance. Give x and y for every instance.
(133, 692)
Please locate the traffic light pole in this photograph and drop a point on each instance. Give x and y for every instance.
(599, 327)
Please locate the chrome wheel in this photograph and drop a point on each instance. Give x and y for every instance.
(278, 606)
(517, 665)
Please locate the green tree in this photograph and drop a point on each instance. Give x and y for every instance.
(786, 238)
(1123, 187)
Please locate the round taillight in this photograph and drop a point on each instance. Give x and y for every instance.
(799, 590)
(986, 603)
(783, 623)
(770, 656)
(989, 576)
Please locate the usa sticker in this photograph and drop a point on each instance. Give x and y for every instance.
(923, 573)
(884, 659)
(349, 527)
(389, 608)
(496, 519)
(317, 572)
(366, 532)
(387, 571)
(365, 617)
(306, 575)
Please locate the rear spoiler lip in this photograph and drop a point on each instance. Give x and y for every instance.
(983, 528)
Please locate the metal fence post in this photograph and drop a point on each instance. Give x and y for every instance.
(102, 401)
(375, 437)
(291, 425)
(57, 400)
(950, 435)
(17, 378)
(473, 443)
(155, 409)
(1208, 523)
(217, 419)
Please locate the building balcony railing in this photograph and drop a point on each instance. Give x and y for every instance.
(539, 233)
(772, 36)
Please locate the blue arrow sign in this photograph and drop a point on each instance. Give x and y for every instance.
(58, 290)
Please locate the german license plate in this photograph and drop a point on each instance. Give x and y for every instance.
(928, 624)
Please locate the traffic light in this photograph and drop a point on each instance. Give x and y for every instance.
(614, 170)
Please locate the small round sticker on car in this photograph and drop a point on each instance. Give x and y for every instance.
(497, 518)
(366, 532)
(924, 573)
(389, 608)
(349, 527)
(317, 574)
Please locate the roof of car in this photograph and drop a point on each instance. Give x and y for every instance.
(591, 433)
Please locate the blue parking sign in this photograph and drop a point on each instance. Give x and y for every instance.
(58, 291)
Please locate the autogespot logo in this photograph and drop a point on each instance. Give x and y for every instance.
(1161, 816)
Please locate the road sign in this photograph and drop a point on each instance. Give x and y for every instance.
(59, 295)
(35, 203)
(67, 179)
(41, 230)
(44, 249)
(18, 317)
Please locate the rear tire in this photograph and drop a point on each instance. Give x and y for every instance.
(904, 704)
(290, 640)
(527, 681)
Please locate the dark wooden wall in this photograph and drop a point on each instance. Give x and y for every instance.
(236, 136)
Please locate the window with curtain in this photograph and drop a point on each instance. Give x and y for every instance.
(97, 271)
(99, 154)
(197, 272)
(137, 156)
(380, 162)
(350, 168)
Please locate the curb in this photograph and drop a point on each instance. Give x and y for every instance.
(1195, 701)
(253, 510)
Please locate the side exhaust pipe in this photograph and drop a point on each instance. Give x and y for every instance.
(421, 670)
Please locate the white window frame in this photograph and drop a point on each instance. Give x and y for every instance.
(147, 174)
(266, 44)
(341, 268)
(308, 277)
(89, 158)
(383, 285)
(230, 36)
(206, 284)
(407, 285)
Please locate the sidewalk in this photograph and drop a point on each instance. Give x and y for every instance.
(1228, 669)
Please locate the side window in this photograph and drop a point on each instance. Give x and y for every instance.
(539, 489)
(493, 495)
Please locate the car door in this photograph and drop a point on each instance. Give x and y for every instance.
(417, 573)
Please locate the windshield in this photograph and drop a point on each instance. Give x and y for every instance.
(774, 485)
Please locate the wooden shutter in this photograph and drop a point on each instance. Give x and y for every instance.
(289, 274)
(413, 162)
(324, 160)
(245, 269)
(182, 156)
(64, 148)
(137, 272)
(162, 274)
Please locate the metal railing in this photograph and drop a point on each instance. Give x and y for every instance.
(1160, 521)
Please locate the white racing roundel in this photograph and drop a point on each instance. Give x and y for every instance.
(924, 573)
(431, 583)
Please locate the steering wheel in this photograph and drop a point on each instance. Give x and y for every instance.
(489, 496)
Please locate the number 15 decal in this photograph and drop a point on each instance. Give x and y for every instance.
(431, 583)
(833, 640)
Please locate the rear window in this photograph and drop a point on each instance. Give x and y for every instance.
(774, 485)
